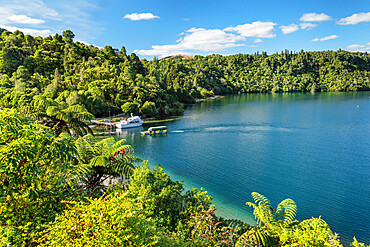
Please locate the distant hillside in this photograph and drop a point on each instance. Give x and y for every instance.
(40, 72)
(2, 30)
(179, 57)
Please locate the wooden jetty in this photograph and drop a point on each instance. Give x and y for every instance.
(104, 133)
(102, 123)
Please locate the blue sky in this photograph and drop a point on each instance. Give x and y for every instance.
(162, 28)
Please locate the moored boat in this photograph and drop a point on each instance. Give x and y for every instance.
(155, 130)
(133, 121)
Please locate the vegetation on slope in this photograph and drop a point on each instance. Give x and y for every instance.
(62, 71)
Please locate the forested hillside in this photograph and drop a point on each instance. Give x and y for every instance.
(38, 72)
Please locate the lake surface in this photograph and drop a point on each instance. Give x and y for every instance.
(312, 148)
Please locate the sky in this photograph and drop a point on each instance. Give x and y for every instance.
(159, 28)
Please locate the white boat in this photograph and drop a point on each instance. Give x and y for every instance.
(133, 121)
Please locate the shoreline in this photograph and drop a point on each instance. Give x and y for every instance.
(209, 98)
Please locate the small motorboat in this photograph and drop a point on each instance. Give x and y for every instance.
(155, 130)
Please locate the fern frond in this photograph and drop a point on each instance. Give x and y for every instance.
(82, 169)
(122, 168)
(99, 161)
(251, 204)
(84, 149)
(256, 237)
(53, 111)
(286, 211)
(260, 199)
(79, 112)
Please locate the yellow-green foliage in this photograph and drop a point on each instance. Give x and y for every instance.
(202, 229)
(110, 221)
(164, 200)
(33, 165)
(355, 243)
(311, 232)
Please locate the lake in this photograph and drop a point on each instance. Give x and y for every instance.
(312, 148)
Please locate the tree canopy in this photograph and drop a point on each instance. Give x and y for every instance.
(106, 80)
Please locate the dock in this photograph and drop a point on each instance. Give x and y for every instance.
(104, 133)
(103, 123)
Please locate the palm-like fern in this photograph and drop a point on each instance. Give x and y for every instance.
(264, 212)
(63, 118)
(60, 116)
(269, 224)
(99, 160)
(286, 211)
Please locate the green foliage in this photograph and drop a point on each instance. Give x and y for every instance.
(130, 107)
(103, 80)
(206, 93)
(281, 229)
(110, 221)
(33, 165)
(149, 109)
(99, 161)
(311, 232)
(163, 199)
(355, 243)
(264, 213)
(202, 229)
(60, 116)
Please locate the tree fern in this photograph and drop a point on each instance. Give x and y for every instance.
(262, 209)
(286, 211)
(98, 160)
(260, 199)
(265, 218)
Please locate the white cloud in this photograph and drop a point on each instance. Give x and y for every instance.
(356, 47)
(23, 19)
(289, 29)
(315, 17)
(26, 8)
(198, 39)
(355, 19)
(257, 41)
(307, 25)
(31, 31)
(325, 38)
(141, 16)
(258, 29)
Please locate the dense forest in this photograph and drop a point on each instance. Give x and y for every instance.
(38, 72)
(61, 186)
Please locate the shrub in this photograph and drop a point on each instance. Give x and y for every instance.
(33, 166)
(149, 109)
(206, 93)
(110, 221)
(130, 107)
(163, 199)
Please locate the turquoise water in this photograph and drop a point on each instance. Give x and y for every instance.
(314, 149)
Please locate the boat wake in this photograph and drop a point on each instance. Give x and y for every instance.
(236, 129)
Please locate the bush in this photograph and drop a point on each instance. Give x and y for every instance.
(130, 107)
(110, 221)
(149, 109)
(206, 93)
(311, 232)
(33, 166)
(163, 199)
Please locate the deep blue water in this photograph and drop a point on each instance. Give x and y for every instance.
(314, 149)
